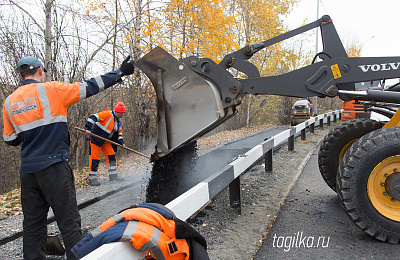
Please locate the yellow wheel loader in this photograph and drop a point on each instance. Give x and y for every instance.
(195, 95)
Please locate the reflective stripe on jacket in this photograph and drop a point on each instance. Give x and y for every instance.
(147, 230)
(36, 116)
(106, 125)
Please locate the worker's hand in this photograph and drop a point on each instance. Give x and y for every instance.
(88, 132)
(123, 146)
(127, 66)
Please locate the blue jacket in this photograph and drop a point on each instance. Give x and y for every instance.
(106, 125)
(36, 116)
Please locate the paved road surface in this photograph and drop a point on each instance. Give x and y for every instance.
(313, 225)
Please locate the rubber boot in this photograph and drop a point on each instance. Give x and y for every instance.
(94, 182)
(115, 177)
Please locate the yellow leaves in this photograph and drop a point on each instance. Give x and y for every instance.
(354, 48)
(199, 28)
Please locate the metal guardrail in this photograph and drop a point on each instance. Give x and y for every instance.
(194, 199)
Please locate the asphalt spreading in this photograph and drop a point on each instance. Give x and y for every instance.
(169, 172)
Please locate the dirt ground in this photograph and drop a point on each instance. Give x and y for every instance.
(233, 236)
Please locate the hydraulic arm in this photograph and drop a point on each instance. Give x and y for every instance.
(195, 95)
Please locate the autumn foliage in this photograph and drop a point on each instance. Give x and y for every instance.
(90, 37)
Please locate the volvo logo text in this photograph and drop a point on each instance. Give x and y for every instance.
(380, 67)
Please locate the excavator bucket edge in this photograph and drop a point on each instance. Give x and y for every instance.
(188, 105)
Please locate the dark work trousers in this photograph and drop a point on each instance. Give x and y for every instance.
(52, 187)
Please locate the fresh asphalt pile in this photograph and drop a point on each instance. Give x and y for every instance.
(229, 236)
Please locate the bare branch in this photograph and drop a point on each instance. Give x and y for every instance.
(33, 19)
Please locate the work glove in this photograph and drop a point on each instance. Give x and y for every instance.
(127, 66)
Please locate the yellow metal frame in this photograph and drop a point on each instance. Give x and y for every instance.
(394, 121)
(377, 194)
(344, 149)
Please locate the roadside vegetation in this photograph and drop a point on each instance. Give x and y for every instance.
(81, 39)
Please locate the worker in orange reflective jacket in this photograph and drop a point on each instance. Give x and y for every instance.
(35, 115)
(106, 124)
(152, 229)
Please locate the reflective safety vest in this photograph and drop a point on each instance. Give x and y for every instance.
(149, 228)
(36, 115)
(106, 125)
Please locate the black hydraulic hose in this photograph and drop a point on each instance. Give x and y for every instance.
(318, 54)
(374, 95)
(383, 96)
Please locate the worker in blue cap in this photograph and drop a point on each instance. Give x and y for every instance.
(35, 116)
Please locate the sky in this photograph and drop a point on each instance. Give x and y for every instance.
(373, 23)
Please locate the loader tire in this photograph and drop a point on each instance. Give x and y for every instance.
(336, 143)
(367, 184)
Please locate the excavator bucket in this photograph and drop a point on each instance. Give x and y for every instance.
(188, 105)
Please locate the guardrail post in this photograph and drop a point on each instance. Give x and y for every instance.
(291, 140)
(340, 115)
(268, 161)
(235, 195)
(321, 123)
(334, 118)
(312, 126)
(303, 134)
(328, 120)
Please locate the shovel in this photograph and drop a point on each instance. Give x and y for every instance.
(114, 143)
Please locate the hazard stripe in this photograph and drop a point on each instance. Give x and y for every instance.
(104, 128)
(96, 232)
(11, 137)
(118, 218)
(153, 246)
(90, 121)
(47, 120)
(100, 83)
(129, 231)
(82, 90)
(45, 100)
(92, 175)
(7, 106)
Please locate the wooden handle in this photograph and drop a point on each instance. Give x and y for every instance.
(114, 143)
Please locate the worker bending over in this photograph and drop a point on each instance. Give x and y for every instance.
(106, 124)
(35, 115)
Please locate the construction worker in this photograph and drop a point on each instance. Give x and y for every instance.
(153, 229)
(35, 115)
(106, 124)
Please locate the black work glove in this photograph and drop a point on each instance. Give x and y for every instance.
(127, 66)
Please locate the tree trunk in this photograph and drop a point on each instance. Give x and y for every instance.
(47, 36)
